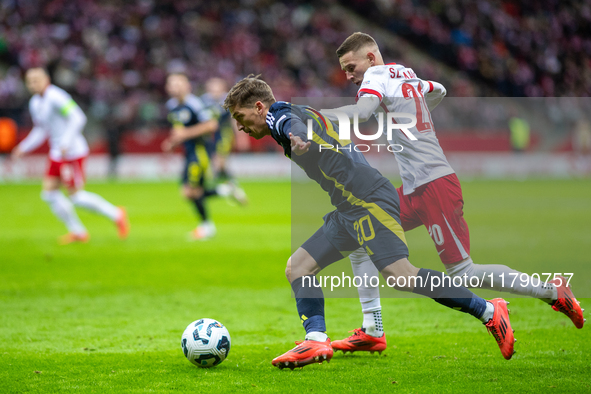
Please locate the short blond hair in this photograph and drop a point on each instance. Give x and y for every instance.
(355, 42)
(248, 91)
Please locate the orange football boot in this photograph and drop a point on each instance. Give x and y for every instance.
(70, 238)
(567, 303)
(500, 327)
(306, 352)
(122, 223)
(360, 342)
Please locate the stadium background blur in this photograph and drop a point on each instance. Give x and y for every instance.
(113, 57)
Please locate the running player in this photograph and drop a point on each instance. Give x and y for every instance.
(430, 194)
(223, 139)
(191, 121)
(57, 117)
(366, 214)
(220, 146)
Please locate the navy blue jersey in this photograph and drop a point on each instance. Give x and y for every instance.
(341, 171)
(216, 107)
(189, 112)
(218, 112)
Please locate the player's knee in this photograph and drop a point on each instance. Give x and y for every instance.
(75, 197)
(401, 275)
(301, 264)
(48, 195)
(288, 270)
(192, 192)
(463, 268)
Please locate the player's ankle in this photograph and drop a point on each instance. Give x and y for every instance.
(372, 331)
(316, 336)
(488, 312)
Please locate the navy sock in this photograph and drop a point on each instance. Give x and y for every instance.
(310, 303)
(210, 192)
(200, 207)
(445, 293)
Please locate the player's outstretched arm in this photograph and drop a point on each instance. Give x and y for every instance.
(31, 142)
(434, 93)
(296, 131)
(365, 107)
(182, 134)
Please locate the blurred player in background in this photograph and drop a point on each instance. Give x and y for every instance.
(430, 194)
(191, 123)
(220, 146)
(56, 116)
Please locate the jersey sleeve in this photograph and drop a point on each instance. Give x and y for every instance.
(34, 139)
(373, 82)
(62, 102)
(203, 113)
(434, 92)
(283, 121)
(171, 104)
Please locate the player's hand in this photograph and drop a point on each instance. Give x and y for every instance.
(178, 135)
(16, 154)
(167, 145)
(298, 146)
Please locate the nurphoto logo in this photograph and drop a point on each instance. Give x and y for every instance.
(345, 129)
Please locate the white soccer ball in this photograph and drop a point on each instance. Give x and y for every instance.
(206, 343)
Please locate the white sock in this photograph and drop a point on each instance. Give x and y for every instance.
(368, 296)
(209, 227)
(503, 280)
(372, 323)
(64, 210)
(223, 189)
(316, 336)
(95, 203)
(488, 313)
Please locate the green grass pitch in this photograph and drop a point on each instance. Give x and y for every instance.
(107, 316)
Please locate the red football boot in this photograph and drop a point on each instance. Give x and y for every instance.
(567, 303)
(500, 327)
(71, 238)
(306, 352)
(122, 224)
(360, 342)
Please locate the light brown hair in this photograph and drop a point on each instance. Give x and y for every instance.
(355, 42)
(248, 91)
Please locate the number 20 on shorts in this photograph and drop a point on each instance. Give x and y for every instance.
(364, 229)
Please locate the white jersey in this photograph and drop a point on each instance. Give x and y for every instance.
(56, 116)
(420, 161)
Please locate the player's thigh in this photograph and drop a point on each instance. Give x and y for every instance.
(193, 172)
(50, 183)
(400, 274)
(377, 227)
(191, 192)
(52, 177)
(73, 175)
(301, 263)
(440, 206)
(225, 142)
(409, 218)
(331, 242)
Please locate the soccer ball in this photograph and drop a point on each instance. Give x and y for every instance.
(206, 343)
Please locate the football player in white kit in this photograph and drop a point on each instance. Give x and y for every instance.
(56, 116)
(430, 194)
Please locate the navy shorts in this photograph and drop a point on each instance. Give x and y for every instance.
(196, 166)
(373, 223)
